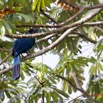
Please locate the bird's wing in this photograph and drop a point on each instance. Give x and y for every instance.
(22, 45)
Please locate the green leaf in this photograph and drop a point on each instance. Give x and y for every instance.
(43, 4)
(47, 2)
(22, 75)
(3, 55)
(54, 96)
(34, 4)
(69, 90)
(24, 2)
(10, 3)
(1, 3)
(39, 5)
(58, 95)
(7, 26)
(8, 94)
(2, 29)
(5, 44)
(48, 97)
(51, 79)
(25, 17)
(62, 92)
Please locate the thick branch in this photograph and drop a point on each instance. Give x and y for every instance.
(52, 26)
(80, 22)
(38, 25)
(98, 23)
(65, 22)
(54, 44)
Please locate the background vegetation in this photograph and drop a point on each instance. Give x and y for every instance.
(65, 25)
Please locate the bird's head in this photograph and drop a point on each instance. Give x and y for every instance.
(33, 30)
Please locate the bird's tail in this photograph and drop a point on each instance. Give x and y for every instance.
(16, 68)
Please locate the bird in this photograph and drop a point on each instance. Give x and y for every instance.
(21, 45)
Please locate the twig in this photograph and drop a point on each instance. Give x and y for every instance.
(42, 101)
(75, 98)
(73, 17)
(34, 72)
(5, 50)
(5, 58)
(85, 36)
(76, 79)
(52, 19)
(93, 6)
(53, 26)
(45, 38)
(99, 29)
(5, 70)
(81, 90)
(78, 84)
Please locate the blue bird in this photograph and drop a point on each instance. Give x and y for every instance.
(21, 46)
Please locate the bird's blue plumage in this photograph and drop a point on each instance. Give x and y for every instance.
(16, 68)
(20, 46)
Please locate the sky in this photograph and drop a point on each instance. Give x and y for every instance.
(48, 59)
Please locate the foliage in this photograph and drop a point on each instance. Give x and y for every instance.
(38, 81)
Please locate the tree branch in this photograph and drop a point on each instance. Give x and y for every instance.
(45, 38)
(93, 23)
(38, 25)
(54, 44)
(99, 29)
(76, 79)
(60, 39)
(51, 46)
(5, 58)
(5, 50)
(81, 90)
(65, 22)
(52, 19)
(79, 22)
(85, 37)
(5, 70)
